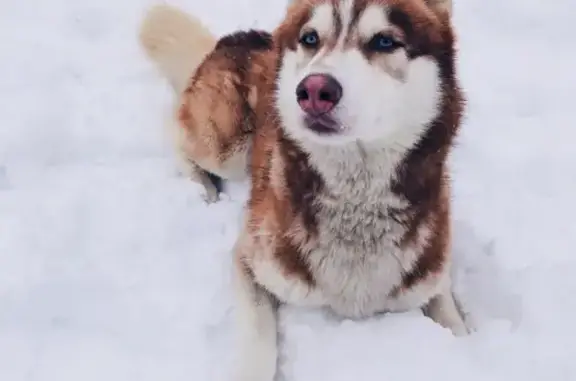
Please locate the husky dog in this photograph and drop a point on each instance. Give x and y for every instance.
(342, 118)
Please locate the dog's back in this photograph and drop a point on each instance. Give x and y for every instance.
(217, 109)
(217, 82)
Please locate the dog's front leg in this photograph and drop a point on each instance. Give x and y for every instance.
(443, 309)
(256, 318)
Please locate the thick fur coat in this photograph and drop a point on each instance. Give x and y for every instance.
(342, 119)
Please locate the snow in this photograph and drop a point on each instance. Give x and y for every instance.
(112, 268)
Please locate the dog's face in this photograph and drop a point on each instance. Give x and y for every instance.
(363, 70)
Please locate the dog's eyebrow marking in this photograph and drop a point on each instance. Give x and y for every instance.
(373, 20)
(401, 20)
(322, 20)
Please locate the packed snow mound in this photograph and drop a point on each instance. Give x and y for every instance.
(112, 267)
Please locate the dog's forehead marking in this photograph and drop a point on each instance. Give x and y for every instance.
(333, 21)
(341, 24)
(345, 11)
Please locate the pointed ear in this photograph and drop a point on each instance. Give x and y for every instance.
(441, 7)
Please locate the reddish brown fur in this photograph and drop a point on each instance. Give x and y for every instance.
(216, 109)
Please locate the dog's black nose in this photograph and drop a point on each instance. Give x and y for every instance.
(318, 94)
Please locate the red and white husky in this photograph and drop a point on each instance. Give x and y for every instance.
(342, 118)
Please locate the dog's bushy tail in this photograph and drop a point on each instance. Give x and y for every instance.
(176, 42)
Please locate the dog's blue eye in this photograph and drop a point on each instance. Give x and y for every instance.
(383, 43)
(310, 39)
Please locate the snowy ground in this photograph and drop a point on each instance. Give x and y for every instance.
(111, 267)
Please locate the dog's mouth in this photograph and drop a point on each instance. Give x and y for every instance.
(323, 124)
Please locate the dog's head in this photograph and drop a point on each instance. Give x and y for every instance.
(363, 70)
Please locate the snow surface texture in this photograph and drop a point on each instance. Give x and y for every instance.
(112, 268)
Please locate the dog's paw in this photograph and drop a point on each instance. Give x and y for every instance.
(210, 195)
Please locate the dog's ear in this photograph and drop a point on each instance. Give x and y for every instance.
(441, 7)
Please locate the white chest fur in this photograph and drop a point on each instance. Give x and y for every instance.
(356, 261)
